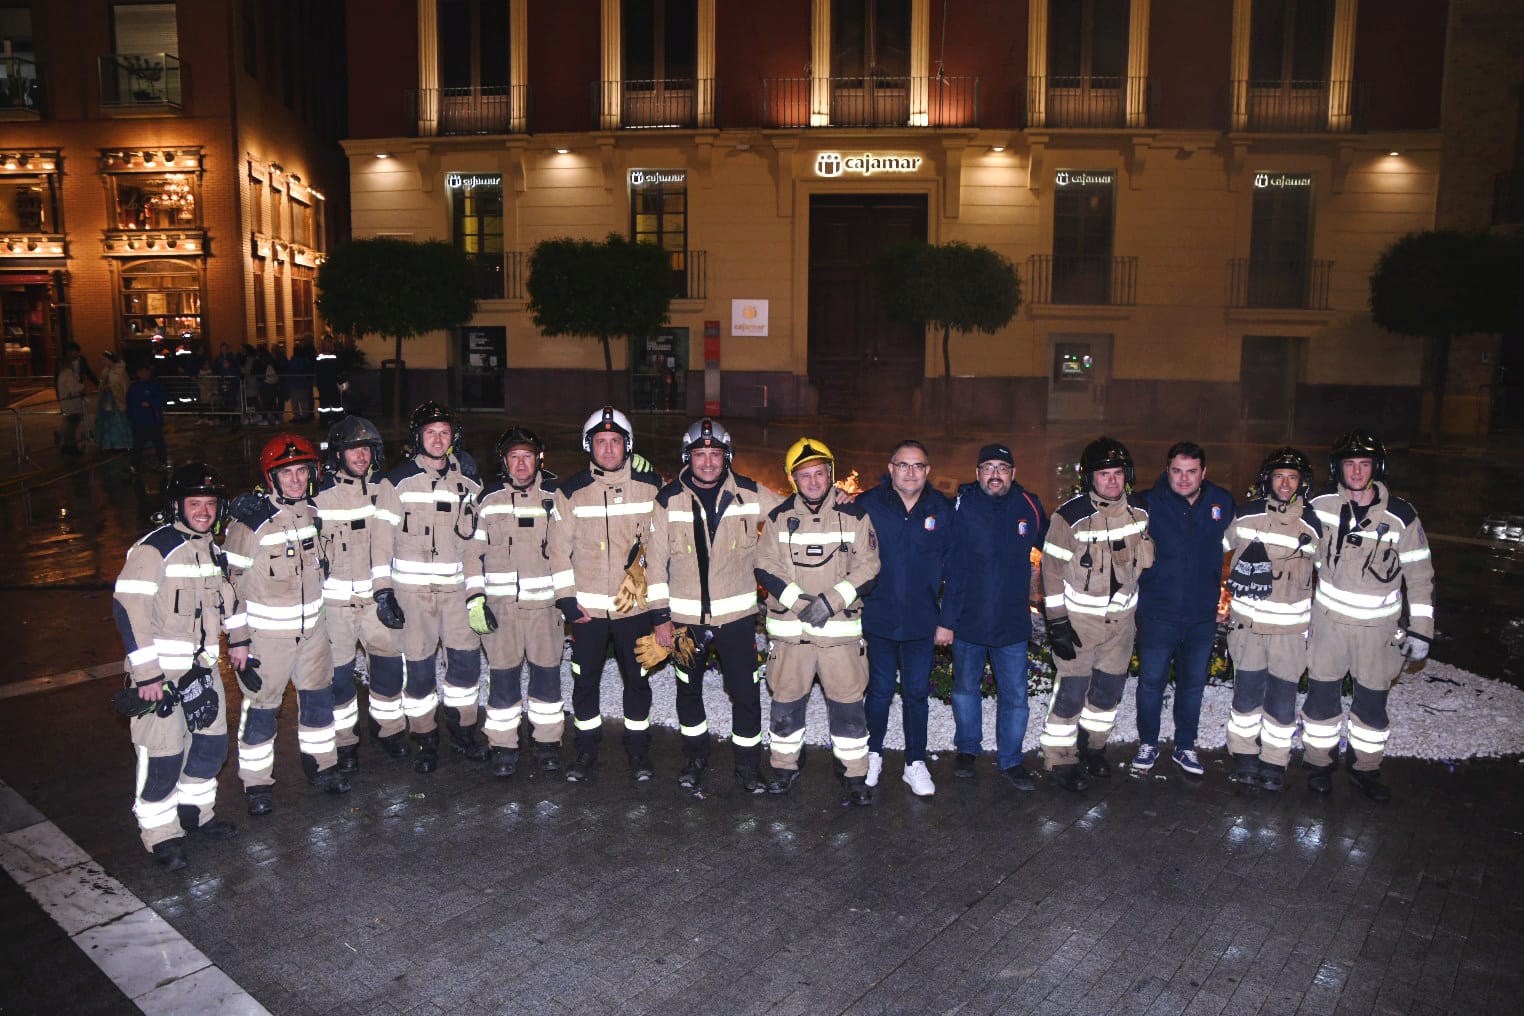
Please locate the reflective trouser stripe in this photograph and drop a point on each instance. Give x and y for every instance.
(1059, 735)
(196, 793)
(1097, 721)
(633, 724)
(1365, 739)
(416, 707)
(1276, 735)
(591, 723)
(746, 742)
(347, 715)
(545, 712)
(383, 710)
(459, 698)
(849, 748)
(698, 729)
(256, 758)
(788, 744)
(316, 740)
(1244, 724)
(503, 719)
(150, 814)
(1317, 734)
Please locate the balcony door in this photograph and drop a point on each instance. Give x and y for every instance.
(1087, 62)
(870, 63)
(1280, 242)
(1083, 214)
(475, 93)
(1290, 52)
(1267, 377)
(659, 61)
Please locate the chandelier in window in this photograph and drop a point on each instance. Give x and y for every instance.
(177, 197)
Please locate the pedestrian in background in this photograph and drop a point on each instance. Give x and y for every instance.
(113, 431)
(145, 412)
(69, 384)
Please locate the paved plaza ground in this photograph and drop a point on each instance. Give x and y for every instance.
(456, 893)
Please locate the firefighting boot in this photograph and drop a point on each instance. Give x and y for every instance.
(465, 741)
(349, 758)
(261, 800)
(329, 781)
(1369, 782)
(856, 792)
(781, 781)
(427, 759)
(749, 779)
(1246, 770)
(170, 854)
(1095, 764)
(1272, 777)
(1320, 779)
(548, 757)
(582, 767)
(692, 774)
(504, 761)
(213, 829)
(641, 770)
(395, 745)
(1071, 777)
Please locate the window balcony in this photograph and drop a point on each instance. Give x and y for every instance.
(1090, 101)
(141, 84)
(1279, 284)
(690, 275)
(1295, 106)
(1082, 279)
(490, 109)
(653, 103)
(20, 89)
(871, 102)
(1508, 199)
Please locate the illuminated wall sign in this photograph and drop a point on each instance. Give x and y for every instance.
(834, 164)
(465, 181)
(1282, 180)
(657, 177)
(1084, 178)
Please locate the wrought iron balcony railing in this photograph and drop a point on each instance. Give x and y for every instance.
(1282, 284)
(1089, 101)
(1299, 106)
(1082, 279)
(20, 89)
(491, 109)
(653, 102)
(691, 275)
(141, 82)
(1508, 198)
(871, 102)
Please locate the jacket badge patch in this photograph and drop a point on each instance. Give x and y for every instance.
(1216, 513)
(1021, 527)
(931, 523)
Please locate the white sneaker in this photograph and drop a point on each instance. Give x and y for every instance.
(919, 779)
(875, 767)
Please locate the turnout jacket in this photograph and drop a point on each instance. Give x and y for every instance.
(1093, 556)
(1365, 563)
(702, 570)
(989, 569)
(275, 556)
(832, 553)
(510, 559)
(347, 508)
(1289, 534)
(425, 521)
(170, 599)
(599, 525)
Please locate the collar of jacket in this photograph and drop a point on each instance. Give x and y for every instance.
(610, 476)
(1104, 506)
(975, 493)
(726, 481)
(190, 533)
(1162, 489)
(923, 501)
(1347, 495)
(439, 472)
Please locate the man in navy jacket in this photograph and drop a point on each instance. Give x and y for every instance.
(986, 609)
(913, 523)
(1177, 601)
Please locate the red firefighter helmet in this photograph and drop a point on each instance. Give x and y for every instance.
(290, 450)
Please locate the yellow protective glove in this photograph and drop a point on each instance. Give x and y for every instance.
(684, 647)
(631, 594)
(650, 653)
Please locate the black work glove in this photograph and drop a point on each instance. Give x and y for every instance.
(249, 676)
(817, 612)
(132, 705)
(1414, 646)
(1063, 638)
(1251, 576)
(388, 610)
(571, 610)
(198, 697)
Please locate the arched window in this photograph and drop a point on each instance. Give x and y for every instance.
(161, 296)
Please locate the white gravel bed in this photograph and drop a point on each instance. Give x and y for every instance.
(1439, 713)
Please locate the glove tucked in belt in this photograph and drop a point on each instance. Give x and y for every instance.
(651, 653)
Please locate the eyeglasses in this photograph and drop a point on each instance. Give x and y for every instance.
(989, 468)
(913, 467)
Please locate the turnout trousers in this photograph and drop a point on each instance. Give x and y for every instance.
(735, 647)
(177, 770)
(351, 624)
(305, 661)
(1368, 653)
(534, 636)
(1086, 691)
(1266, 670)
(843, 671)
(437, 616)
(590, 641)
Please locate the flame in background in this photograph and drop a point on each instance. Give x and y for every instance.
(849, 483)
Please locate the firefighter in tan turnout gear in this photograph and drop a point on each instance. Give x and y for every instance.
(426, 527)
(170, 600)
(1097, 547)
(701, 566)
(601, 520)
(1274, 544)
(1372, 551)
(346, 504)
(511, 604)
(817, 558)
(276, 559)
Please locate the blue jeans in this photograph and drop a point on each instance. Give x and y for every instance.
(1190, 646)
(1010, 665)
(910, 661)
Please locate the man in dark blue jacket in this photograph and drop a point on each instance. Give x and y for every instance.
(986, 609)
(1177, 601)
(913, 523)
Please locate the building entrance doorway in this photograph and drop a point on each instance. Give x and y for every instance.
(860, 363)
(1267, 377)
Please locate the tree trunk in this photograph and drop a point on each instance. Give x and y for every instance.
(608, 370)
(397, 380)
(946, 379)
(1439, 377)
